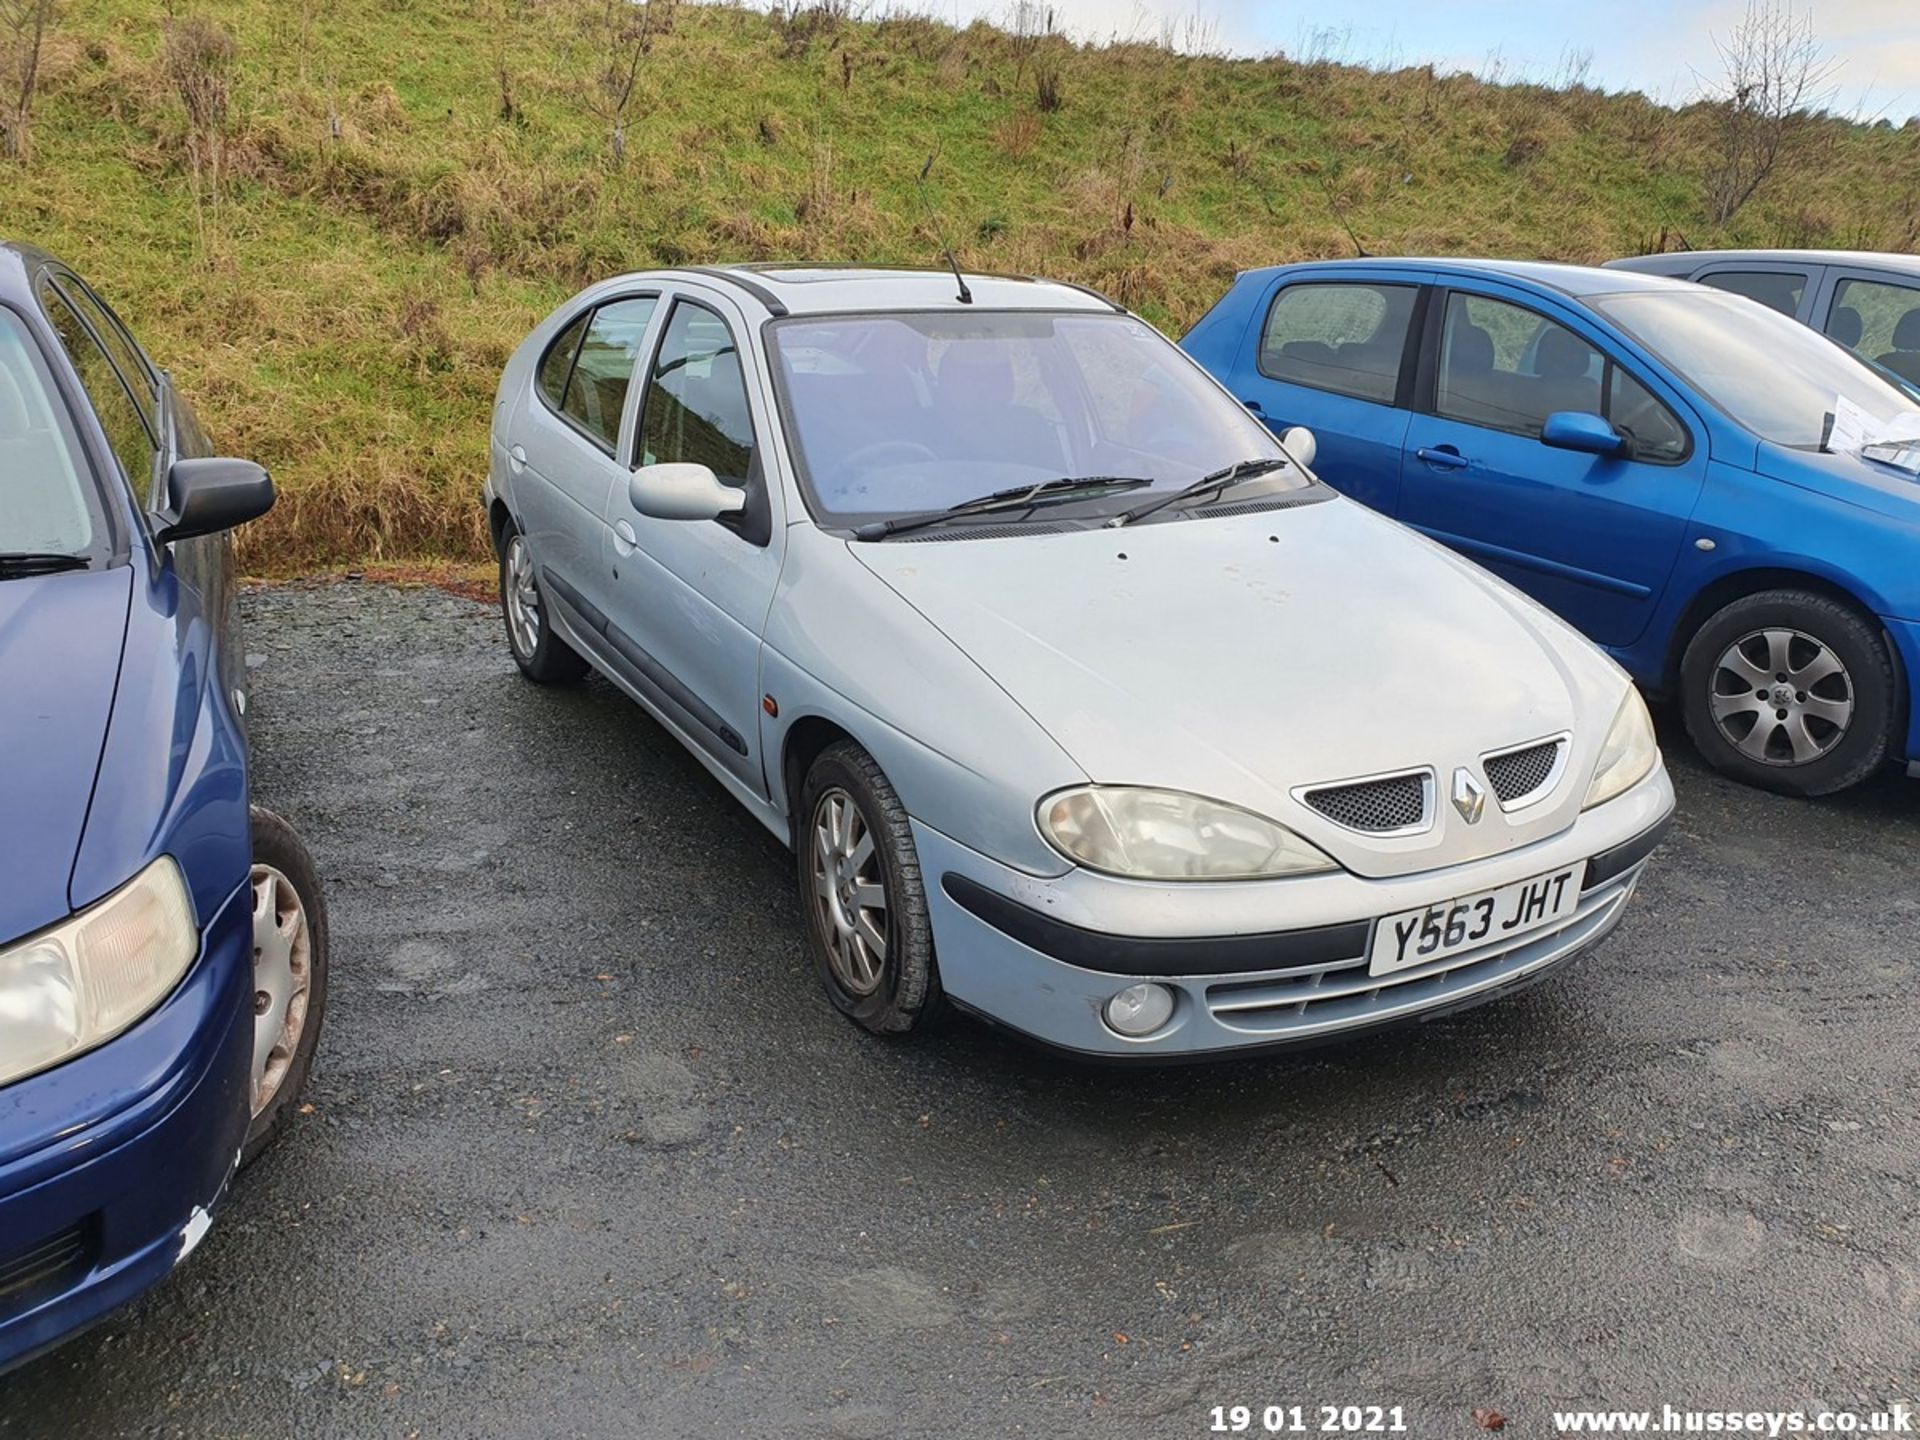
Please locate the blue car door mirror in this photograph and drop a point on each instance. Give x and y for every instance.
(1578, 430)
(207, 495)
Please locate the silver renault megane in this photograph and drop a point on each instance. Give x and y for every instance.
(1083, 704)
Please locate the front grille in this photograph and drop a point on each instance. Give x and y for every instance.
(29, 1274)
(1394, 802)
(1344, 996)
(1518, 774)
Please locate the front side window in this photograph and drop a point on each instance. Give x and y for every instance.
(1347, 338)
(898, 413)
(1508, 368)
(1768, 373)
(695, 408)
(1776, 289)
(593, 391)
(1881, 322)
(128, 431)
(48, 503)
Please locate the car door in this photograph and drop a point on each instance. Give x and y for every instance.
(1876, 314)
(1334, 355)
(1593, 537)
(566, 437)
(688, 599)
(1786, 286)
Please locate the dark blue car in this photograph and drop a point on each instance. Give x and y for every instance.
(163, 945)
(1676, 470)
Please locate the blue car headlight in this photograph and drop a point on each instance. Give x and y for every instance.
(82, 982)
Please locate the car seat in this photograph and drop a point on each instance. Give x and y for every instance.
(1847, 327)
(1904, 358)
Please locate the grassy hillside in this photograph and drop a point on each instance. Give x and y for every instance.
(406, 185)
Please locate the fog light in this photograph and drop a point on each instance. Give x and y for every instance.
(1140, 1010)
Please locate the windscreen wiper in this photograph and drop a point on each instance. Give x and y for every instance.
(1015, 497)
(1219, 480)
(38, 562)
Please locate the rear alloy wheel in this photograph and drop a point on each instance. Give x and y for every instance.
(1790, 691)
(290, 946)
(542, 656)
(865, 904)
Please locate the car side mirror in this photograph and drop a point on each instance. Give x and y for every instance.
(683, 490)
(1578, 430)
(1301, 445)
(206, 495)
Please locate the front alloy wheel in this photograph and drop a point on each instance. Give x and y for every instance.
(289, 985)
(849, 892)
(1792, 691)
(861, 891)
(1781, 697)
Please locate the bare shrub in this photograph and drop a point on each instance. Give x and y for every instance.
(198, 58)
(1046, 88)
(23, 31)
(1776, 76)
(619, 36)
(1018, 133)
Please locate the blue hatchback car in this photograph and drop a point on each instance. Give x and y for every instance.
(163, 946)
(1658, 461)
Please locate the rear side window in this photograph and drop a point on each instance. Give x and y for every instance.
(557, 364)
(696, 402)
(1347, 338)
(593, 392)
(128, 431)
(1776, 289)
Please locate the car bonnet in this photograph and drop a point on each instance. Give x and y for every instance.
(1241, 657)
(60, 644)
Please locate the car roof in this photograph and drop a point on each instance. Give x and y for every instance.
(1576, 280)
(19, 263)
(1674, 261)
(822, 289)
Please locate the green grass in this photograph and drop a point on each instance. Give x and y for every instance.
(386, 233)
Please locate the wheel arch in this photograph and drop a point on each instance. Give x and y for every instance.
(498, 518)
(806, 739)
(1726, 589)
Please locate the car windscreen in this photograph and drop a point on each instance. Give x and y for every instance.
(48, 504)
(896, 413)
(1770, 373)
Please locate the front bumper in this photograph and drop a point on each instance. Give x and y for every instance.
(1253, 965)
(111, 1163)
(1905, 635)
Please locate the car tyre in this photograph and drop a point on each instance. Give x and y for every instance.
(1790, 691)
(290, 953)
(543, 657)
(864, 898)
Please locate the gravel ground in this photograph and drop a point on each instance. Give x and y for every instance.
(590, 1155)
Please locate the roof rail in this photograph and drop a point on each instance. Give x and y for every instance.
(766, 297)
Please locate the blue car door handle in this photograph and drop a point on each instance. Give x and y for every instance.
(1253, 405)
(1442, 457)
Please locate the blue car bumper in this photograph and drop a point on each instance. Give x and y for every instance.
(1906, 640)
(111, 1163)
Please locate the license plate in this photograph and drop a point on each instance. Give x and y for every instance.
(1420, 937)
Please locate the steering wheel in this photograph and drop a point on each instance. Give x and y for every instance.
(906, 449)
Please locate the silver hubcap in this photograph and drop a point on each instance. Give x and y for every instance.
(849, 892)
(282, 980)
(523, 598)
(1782, 697)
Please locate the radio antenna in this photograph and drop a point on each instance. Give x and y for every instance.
(966, 295)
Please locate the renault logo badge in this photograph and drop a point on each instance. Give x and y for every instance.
(1469, 797)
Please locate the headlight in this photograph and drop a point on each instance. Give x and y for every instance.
(1165, 835)
(70, 988)
(1629, 754)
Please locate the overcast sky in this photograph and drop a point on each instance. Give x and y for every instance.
(1664, 47)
